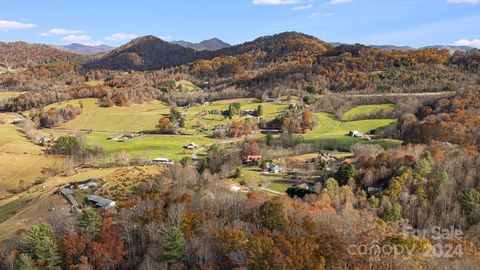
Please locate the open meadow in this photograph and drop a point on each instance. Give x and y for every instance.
(366, 110)
(148, 146)
(134, 118)
(196, 118)
(333, 133)
(21, 161)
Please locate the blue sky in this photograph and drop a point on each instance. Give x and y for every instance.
(115, 22)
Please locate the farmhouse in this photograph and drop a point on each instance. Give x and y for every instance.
(43, 140)
(215, 112)
(272, 168)
(250, 113)
(249, 159)
(355, 133)
(164, 161)
(87, 184)
(99, 202)
(190, 146)
(18, 121)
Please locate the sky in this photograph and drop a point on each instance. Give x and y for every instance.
(115, 22)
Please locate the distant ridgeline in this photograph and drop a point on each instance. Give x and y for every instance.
(288, 60)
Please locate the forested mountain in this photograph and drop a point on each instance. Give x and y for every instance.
(21, 54)
(150, 53)
(144, 53)
(206, 45)
(85, 49)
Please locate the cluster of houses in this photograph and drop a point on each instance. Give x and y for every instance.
(90, 200)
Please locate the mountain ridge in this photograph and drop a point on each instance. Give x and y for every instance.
(212, 44)
(85, 49)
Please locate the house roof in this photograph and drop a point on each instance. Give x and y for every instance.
(99, 201)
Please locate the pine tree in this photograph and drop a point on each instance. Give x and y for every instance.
(40, 244)
(331, 187)
(173, 246)
(25, 262)
(269, 139)
(91, 221)
(393, 212)
(48, 255)
(260, 110)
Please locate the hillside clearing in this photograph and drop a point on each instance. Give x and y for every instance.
(148, 146)
(366, 110)
(134, 118)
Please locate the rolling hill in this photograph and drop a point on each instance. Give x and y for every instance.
(145, 53)
(21, 54)
(149, 53)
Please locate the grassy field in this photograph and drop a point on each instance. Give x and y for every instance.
(5, 95)
(149, 145)
(137, 117)
(33, 205)
(333, 132)
(364, 110)
(20, 159)
(185, 86)
(280, 185)
(209, 121)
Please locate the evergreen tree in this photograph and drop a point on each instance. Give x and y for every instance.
(331, 187)
(260, 110)
(269, 139)
(426, 164)
(25, 262)
(273, 215)
(40, 244)
(345, 172)
(48, 255)
(173, 246)
(393, 212)
(91, 221)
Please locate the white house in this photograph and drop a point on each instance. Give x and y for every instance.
(355, 133)
(164, 161)
(190, 146)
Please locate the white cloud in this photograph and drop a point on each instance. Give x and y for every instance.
(336, 2)
(313, 15)
(275, 2)
(165, 37)
(77, 38)
(61, 31)
(473, 2)
(120, 37)
(466, 42)
(309, 6)
(11, 25)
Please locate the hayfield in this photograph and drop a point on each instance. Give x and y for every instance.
(149, 146)
(365, 110)
(196, 120)
(5, 95)
(134, 118)
(333, 132)
(21, 160)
